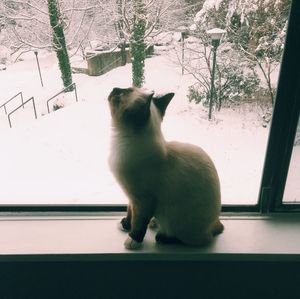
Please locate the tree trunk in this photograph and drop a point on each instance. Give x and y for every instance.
(268, 80)
(137, 44)
(59, 43)
(120, 33)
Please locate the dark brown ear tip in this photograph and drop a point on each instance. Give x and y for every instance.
(116, 90)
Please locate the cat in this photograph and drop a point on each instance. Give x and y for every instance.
(176, 183)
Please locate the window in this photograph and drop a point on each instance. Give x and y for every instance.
(59, 161)
(284, 128)
(292, 188)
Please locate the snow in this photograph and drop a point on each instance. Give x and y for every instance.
(61, 158)
(292, 188)
(207, 6)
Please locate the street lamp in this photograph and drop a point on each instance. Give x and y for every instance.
(35, 51)
(184, 34)
(215, 35)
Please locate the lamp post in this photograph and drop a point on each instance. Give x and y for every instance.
(183, 34)
(38, 64)
(215, 35)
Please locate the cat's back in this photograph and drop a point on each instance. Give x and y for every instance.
(190, 186)
(189, 154)
(191, 170)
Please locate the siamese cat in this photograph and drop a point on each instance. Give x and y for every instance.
(177, 183)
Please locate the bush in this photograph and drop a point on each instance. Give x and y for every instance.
(194, 95)
(232, 84)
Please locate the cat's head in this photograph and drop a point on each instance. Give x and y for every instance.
(134, 107)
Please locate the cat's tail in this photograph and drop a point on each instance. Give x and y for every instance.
(217, 228)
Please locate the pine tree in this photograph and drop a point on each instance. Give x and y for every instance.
(59, 43)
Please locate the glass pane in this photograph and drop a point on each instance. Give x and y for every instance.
(224, 90)
(292, 187)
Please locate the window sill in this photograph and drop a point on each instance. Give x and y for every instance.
(96, 238)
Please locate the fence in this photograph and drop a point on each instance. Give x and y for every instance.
(68, 88)
(18, 94)
(22, 105)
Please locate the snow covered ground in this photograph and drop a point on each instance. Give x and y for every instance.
(61, 158)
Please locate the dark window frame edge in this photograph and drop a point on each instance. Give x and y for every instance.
(284, 122)
(276, 160)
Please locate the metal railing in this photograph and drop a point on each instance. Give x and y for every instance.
(73, 85)
(4, 105)
(23, 103)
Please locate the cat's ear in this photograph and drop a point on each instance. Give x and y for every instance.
(162, 102)
(148, 98)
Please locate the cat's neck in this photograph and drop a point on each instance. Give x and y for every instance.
(147, 138)
(127, 143)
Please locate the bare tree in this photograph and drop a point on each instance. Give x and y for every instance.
(60, 25)
(26, 23)
(139, 21)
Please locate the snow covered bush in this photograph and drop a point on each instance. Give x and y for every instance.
(58, 106)
(257, 29)
(232, 85)
(235, 78)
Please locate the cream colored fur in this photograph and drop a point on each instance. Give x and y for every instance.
(175, 182)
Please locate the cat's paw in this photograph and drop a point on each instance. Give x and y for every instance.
(153, 224)
(123, 225)
(164, 239)
(132, 244)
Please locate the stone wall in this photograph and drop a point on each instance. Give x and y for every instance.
(99, 63)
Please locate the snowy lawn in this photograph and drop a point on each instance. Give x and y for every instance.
(61, 158)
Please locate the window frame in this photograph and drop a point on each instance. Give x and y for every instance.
(284, 122)
(279, 148)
